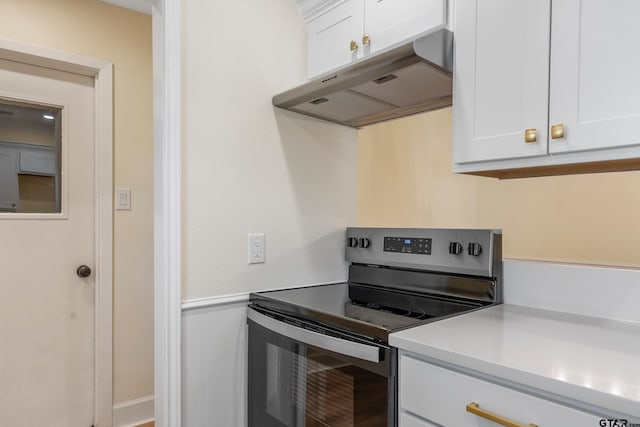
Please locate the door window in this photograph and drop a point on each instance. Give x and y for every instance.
(30, 158)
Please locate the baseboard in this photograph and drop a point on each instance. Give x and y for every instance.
(133, 412)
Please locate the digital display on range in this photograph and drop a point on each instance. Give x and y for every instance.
(408, 245)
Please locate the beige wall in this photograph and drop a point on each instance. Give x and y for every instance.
(249, 167)
(404, 179)
(93, 28)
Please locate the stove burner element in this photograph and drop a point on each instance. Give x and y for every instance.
(416, 313)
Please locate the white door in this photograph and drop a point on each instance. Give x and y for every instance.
(594, 84)
(501, 79)
(46, 309)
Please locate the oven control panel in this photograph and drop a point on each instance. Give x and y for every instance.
(462, 251)
(407, 245)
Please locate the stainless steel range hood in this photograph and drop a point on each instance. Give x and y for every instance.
(409, 79)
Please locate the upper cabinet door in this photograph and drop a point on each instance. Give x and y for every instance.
(388, 22)
(335, 37)
(595, 74)
(501, 79)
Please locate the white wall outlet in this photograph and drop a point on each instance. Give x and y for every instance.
(123, 199)
(256, 248)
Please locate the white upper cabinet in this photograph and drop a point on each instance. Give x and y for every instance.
(38, 161)
(546, 87)
(335, 37)
(343, 31)
(501, 78)
(388, 22)
(595, 74)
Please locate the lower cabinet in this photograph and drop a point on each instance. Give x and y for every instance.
(19, 159)
(9, 198)
(434, 396)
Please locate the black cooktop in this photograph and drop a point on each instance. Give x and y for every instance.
(398, 278)
(369, 311)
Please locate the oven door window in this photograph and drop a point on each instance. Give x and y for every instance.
(292, 384)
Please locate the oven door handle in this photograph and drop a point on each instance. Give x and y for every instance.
(327, 342)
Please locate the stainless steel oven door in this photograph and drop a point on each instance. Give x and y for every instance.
(300, 376)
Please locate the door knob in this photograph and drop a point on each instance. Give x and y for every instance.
(83, 271)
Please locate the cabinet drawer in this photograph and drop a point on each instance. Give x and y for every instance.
(440, 396)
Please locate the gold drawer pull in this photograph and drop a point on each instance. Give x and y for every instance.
(366, 40)
(474, 408)
(353, 45)
(530, 135)
(557, 131)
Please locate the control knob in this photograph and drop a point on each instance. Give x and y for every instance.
(365, 243)
(352, 242)
(455, 248)
(474, 249)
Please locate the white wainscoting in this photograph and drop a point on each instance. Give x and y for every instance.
(133, 412)
(214, 358)
(599, 291)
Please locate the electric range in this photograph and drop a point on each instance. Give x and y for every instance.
(397, 278)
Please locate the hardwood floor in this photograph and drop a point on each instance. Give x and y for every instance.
(151, 424)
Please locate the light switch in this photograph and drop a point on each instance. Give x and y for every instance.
(123, 199)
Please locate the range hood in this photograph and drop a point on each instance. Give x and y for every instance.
(410, 79)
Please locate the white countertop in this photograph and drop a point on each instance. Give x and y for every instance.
(588, 359)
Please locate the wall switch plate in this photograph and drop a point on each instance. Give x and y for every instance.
(123, 199)
(256, 248)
